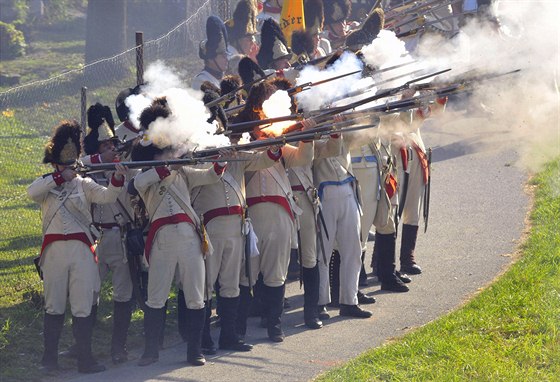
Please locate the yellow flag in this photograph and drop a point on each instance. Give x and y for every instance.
(291, 18)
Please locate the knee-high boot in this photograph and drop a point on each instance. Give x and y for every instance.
(153, 323)
(386, 263)
(363, 274)
(274, 301)
(195, 324)
(311, 297)
(243, 310)
(52, 328)
(334, 275)
(122, 312)
(207, 344)
(82, 327)
(228, 337)
(182, 315)
(408, 245)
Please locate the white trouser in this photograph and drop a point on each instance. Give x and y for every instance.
(342, 219)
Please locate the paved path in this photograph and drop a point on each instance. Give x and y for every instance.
(477, 217)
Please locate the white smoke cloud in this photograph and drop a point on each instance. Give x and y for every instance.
(187, 127)
(317, 96)
(525, 104)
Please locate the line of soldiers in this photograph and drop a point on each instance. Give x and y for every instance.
(229, 228)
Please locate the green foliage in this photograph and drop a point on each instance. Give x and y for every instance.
(510, 332)
(12, 41)
(59, 10)
(14, 11)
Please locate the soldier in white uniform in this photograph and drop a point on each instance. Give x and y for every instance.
(337, 186)
(214, 52)
(416, 166)
(68, 260)
(112, 221)
(242, 30)
(223, 207)
(336, 27)
(176, 240)
(126, 130)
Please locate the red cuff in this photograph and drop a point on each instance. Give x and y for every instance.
(335, 136)
(58, 179)
(95, 158)
(274, 156)
(163, 172)
(219, 169)
(442, 100)
(117, 183)
(280, 73)
(423, 114)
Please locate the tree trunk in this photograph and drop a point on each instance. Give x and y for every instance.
(105, 29)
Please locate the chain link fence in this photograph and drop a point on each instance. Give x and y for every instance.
(28, 114)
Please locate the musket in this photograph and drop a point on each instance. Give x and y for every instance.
(423, 26)
(407, 11)
(381, 94)
(248, 126)
(301, 65)
(309, 85)
(427, 191)
(95, 167)
(231, 94)
(361, 91)
(233, 109)
(403, 4)
(311, 134)
(416, 15)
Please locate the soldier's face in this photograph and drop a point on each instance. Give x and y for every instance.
(248, 46)
(106, 146)
(281, 63)
(221, 62)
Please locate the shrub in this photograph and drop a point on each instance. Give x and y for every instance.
(12, 41)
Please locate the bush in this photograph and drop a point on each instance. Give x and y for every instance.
(12, 41)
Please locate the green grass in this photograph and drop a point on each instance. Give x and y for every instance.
(47, 45)
(509, 332)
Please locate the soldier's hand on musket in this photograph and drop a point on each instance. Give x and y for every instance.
(120, 171)
(68, 174)
(408, 93)
(308, 123)
(227, 152)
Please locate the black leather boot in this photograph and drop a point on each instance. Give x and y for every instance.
(293, 267)
(334, 278)
(386, 263)
(72, 351)
(311, 297)
(153, 323)
(182, 315)
(228, 337)
(274, 300)
(207, 344)
(195, 325)
(362, 281)
(52, 327)
(243, 310)
(122, 312)
(82, 327)
(408, 245)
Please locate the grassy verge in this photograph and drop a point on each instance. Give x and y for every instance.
(510, 332)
